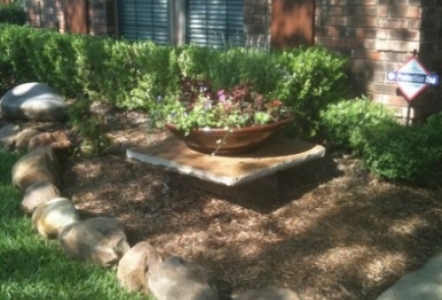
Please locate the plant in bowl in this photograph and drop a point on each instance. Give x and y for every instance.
(225, 121)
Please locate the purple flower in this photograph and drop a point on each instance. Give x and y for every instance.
(221, 95)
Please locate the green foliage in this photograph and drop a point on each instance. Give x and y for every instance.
(12, 13)
(136, 75)
(411, 154)
(341, 121)
(89, 127)
(313, 79)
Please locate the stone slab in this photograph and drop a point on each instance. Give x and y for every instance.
(281, 153)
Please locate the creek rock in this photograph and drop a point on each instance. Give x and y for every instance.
(423, 284)
(8, 135)
(38, 193)
(38, 165)
(33, 101)
(57, 140)
(50, 217)
(268, 293)
(23, 138)
(101, 241)
(178, 279)
(134, 265)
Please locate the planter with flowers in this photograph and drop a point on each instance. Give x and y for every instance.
(223, 122)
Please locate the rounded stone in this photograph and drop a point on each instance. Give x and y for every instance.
(33, 101)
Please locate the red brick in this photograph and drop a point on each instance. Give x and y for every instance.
(405, 11)
(403, 35)
(392, 23)
(362, 21)
(362, 10)
(382, 11)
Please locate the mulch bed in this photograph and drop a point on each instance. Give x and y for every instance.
(326, 229)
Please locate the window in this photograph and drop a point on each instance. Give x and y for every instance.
(144, 20)
(216, 23)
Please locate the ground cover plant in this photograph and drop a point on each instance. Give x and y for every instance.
(32, 268)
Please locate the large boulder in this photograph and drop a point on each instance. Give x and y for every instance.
(134, 265)
(8, 134)
(178, 279)
(100, 241)
(50, 217)
(268, 293)
(423, 284)
(38, 193)
(38, 165)
(33, 101)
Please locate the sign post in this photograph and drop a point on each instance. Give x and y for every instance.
(412, 78)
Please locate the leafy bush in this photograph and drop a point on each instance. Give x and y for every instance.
(411, 154)
(388, 149)
(341, 122)
(313, 79)
(138, 74)
(12, 13)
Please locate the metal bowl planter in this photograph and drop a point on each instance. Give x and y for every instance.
(228, 142)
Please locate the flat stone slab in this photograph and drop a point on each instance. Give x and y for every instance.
(280, 154)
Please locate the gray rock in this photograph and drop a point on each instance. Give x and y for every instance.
(23, 138)
(8, 135)
(33, 101)
(50, 217)
(178, 279)
(38, 165)
(100, 241)
(134, 265)
(38, 193)
(423, 284)
(268, 293)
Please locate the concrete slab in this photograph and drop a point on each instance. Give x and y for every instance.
(280, 154)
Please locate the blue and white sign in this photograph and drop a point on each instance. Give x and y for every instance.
(412, 78)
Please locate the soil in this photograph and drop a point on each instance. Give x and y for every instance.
(326, 229)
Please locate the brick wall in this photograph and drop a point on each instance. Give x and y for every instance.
(257, 18)
(95, 17)
(379, 36)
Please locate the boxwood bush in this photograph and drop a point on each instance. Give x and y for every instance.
(388, 149)
(136, 75)
(12, 13)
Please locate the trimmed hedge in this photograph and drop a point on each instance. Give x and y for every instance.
(136, 74)
(12, 13)
(388, 149)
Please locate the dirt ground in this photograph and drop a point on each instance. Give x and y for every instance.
(326, 229)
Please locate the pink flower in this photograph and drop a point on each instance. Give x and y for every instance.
(221, 95)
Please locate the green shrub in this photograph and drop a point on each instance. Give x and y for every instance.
(340, 122)
(137, 75)
(410, 154)
(88, 127)
(12, 13)
(313, 79)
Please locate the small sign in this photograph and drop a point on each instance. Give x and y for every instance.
(412, 78)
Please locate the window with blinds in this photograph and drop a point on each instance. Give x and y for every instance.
(216, 23)
(144, 20)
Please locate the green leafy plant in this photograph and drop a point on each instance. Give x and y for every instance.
(199, 106)
(12, 13)
(340, 122)
(410, 154)
(92, 139)
(312, 79)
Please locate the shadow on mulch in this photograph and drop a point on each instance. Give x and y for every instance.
(267, 194)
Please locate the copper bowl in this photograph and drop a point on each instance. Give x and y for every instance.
(237, 141)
